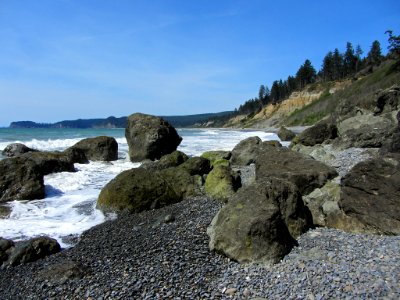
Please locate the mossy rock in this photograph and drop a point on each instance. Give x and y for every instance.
(221, 183)
(217, 157)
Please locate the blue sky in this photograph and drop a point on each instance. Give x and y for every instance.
(69, 59)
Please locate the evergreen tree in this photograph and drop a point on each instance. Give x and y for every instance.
(374, 56)
(358, 54)
(306, 74)
(275, 95)
(394, 43)
(327, 67)
(261, 93)
(337, 67)
(266, 96)
(291, 84)
(349, 60)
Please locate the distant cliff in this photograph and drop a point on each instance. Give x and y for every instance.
(113, 122)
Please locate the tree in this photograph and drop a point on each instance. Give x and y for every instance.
(394, 43)
(327, 67)
(291, 84)
(349, 60)
(359, 52)
(374, 56)
(337, 65)
(306, 74)
(275, 93)
(261, 93)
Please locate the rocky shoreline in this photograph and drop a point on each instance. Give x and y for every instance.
(143, 256)
(258, 204)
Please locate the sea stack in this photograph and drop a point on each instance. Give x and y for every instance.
(150, 137)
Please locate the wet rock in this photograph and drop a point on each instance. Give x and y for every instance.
(15, 149)
(102, 148)
(32, 250)
(174, 159)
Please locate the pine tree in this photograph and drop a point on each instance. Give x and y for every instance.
(306, 74)
(275, 95)
(337, 68)
(349, 60)
(359, 52)
(394, 43)
(261, 93)
(327, 67)
(374, 56)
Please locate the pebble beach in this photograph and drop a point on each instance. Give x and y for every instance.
(163, 254)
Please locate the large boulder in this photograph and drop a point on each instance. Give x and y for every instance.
(150, 137)
(51, 162)
(246, 151)
(20, 179)
(5, 249)
(261, 228)
(317, 134)
(221, 183)
(15, 149)
(387, 100)
(101, 148)
(31, 250)
(142, 189)
(371, 195)
(285, 134)
(305, 172)
(365, 131)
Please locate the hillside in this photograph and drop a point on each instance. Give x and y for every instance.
(317, 101)
(113, 122)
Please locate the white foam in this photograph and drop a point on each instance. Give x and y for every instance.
(69, 206)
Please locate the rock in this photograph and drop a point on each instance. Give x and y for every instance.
(174, 159)
(196, 166)
(32, 250)
(136, 190)
(371, 195)
(218, 157)
(260, 228)
(387, 100)
(62, 272)
(305, 172)
(392, 144)
(5, 248)
(365, 131)
(323, 204)
(150, 137)
(221, 183)
(76, 155)
(285, 134)
(246, 151)
(273, 143)
(20, 179)
(15, 149)
(317, 134)
(142, 189)
(101, 148)
(50, 162)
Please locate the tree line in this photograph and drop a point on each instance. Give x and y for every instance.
(335, 66)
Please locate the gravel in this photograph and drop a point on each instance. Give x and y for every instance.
(142, 256)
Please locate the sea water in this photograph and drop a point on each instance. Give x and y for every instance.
(70, 204)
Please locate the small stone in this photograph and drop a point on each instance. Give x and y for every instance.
(230, 291)
(169, 219)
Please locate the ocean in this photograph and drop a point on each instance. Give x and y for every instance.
(69, 206)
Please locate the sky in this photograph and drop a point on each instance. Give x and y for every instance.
(70, 59)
